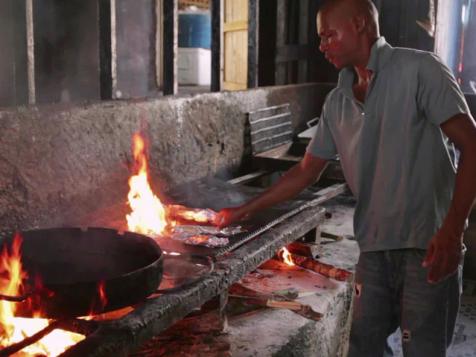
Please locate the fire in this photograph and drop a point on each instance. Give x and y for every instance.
(14, 329)
(181, 213)
(286, 256)
(196, 216)
(102, 294)
(148, 214)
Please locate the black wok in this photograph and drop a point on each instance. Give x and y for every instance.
(72, 264)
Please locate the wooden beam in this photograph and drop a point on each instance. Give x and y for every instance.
(217, 40)
(170, 50)
(253, 44)
(105, 49)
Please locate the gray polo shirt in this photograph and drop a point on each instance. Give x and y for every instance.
(391, 148)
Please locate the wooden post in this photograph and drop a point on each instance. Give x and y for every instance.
(304, 24)
(253, 31)
(105, 50)
(170, 50)
(15, 15)
(217, 40)
(158, 43)
(281, 31)
(30, 51)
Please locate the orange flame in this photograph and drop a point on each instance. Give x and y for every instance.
(286, 256)
(148, 214)
(181, 213)
(14, 329)
(102, 294)
(196, 216)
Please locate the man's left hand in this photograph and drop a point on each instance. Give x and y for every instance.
(444, 253)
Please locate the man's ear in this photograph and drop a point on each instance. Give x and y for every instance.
(360, 23)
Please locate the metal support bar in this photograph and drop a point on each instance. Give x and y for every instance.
(217, 40)
(105, 49)
(170, 50)
(253, 44)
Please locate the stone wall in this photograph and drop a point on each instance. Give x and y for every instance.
(58, 162)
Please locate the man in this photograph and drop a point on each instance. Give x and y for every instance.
(386, 119)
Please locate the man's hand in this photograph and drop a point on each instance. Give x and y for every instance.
(444, 253)
(230, 215)
(289, 185)
(445, 248)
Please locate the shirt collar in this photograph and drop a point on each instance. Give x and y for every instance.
(380, 54)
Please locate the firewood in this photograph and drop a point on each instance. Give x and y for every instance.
(322, 268)
(311, 250)
(275, 300)
(332, 236)
(295, 306)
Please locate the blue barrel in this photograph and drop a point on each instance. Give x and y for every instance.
(195, 29)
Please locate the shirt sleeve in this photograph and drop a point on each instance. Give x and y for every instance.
(322, 144)
(439, 96)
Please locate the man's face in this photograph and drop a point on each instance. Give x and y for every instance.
(338, 37)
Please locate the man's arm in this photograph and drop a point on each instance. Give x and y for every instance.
(444, 250)
(289, 185)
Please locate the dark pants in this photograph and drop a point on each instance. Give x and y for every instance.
(391, 291)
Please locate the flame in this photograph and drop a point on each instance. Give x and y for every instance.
(196, 216)
(148, 214)
(286, 256)
(102, 294)
(14, 329)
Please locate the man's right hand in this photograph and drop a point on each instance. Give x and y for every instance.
(230, 215)
(289, 185)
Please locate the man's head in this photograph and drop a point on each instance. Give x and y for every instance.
(347, 29)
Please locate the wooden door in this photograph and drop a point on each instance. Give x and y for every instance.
(235, 44)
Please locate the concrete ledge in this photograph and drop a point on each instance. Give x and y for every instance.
(277, 332)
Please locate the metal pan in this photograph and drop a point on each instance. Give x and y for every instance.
(78, 267)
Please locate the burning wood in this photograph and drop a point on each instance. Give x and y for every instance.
(309, 263)
(20, 332)
(322, 268)
(311, 250)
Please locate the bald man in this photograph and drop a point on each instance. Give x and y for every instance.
(389, 119)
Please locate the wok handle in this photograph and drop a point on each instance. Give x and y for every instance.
(14, 298)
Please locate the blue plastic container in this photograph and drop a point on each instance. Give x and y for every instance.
(195, 30)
